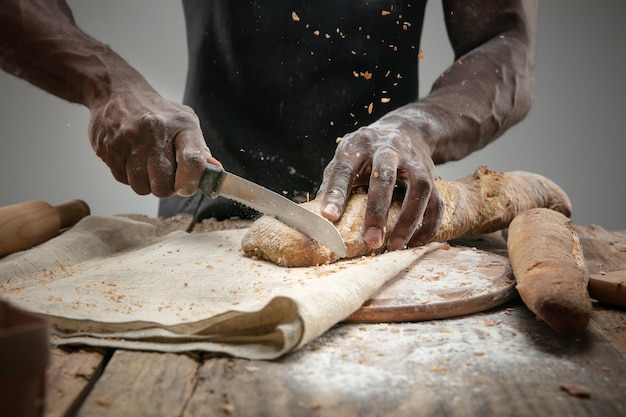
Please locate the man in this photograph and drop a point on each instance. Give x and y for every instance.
(284, 90)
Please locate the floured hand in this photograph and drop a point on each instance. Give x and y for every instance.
(153, 144)
(382, 155)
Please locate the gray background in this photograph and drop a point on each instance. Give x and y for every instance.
(573, 135)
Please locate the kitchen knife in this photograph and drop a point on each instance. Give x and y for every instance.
(215, 181)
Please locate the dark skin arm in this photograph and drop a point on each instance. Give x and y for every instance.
(483, 93)
(156, 145)
(152, 144)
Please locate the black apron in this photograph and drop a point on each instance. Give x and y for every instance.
(276, 82)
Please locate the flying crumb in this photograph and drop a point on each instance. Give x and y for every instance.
(576, 390)
(228, 409)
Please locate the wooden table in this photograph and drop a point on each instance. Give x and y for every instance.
(496, 363)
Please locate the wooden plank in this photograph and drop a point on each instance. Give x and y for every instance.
(613, 321)
(603, 250)
(500, 363)
(142, 384)
(68, 377)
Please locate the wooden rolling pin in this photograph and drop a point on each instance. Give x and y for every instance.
(30, 223)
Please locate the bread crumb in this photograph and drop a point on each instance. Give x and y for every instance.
(576, 390)
(227, 408)
(295, 17)
(104, 402)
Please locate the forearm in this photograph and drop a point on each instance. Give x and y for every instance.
(40, 43)
(483, 93)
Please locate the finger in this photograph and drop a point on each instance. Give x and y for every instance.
(118, 169)
(430, 221)
(192, 156)
(137, 175)
(152, 147)
(339, 176)
(160, 169)
(115, 160)
(380, 193)
(211, 160)
(416, 198)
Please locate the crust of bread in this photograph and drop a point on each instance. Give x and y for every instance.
(482, 202)
(549, 266)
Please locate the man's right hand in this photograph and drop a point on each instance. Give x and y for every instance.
(153, 144)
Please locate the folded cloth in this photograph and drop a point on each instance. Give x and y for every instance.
(110, 281)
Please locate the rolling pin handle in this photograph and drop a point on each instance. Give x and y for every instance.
(30, 223)
(71, 212)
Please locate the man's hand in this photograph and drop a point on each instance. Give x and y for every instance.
(484, 92)
(153, 144)
(384, 155)
(148, 142)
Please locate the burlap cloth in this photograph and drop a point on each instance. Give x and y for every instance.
(111, 281)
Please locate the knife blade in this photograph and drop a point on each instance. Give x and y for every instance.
(216, 181)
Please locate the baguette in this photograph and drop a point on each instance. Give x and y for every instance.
(550, 270)
(482, 202)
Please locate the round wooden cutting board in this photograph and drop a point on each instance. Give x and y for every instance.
(448, 282)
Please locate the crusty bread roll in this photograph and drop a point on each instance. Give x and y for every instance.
(550, 270)
(482, 202)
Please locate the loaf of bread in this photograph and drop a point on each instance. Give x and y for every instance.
(482, 202)
(550, 270)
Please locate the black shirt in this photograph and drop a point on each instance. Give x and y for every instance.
(276, 82)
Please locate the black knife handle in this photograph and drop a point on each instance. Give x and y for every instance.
(211, 181)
